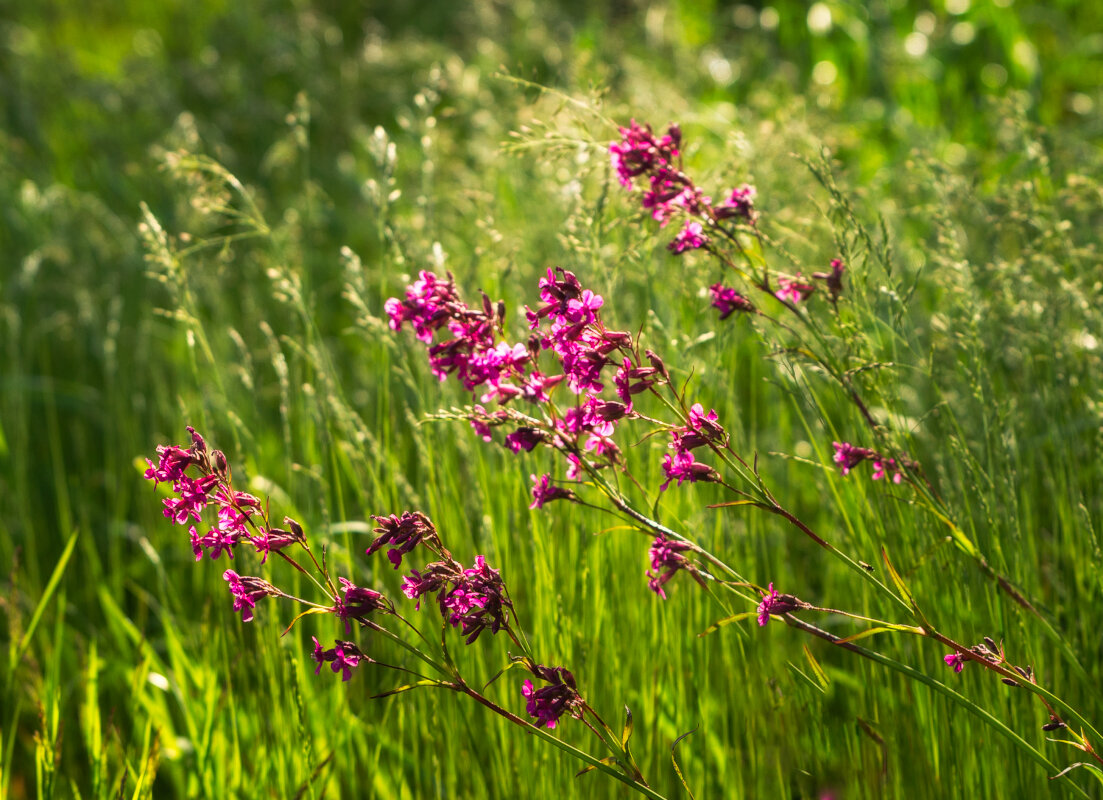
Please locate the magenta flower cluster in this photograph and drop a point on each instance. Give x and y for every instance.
(404, 533)
(544, 492)
(654, 163)
(237, 511)
(775, 604)
(700, 429)
(568, 326)
(246, 591)
(472, 599)
(668, 191)
(548, 703)
(955, 660)
(343, 657)
(792, 289)
(240, 518)
(847, 456)
(728, 301)
(667, 560)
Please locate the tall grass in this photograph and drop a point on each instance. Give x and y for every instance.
(251, 307)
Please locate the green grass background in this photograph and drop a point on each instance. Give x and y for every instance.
(371, 141)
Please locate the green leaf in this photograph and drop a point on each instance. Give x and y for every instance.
(626, 733)
(674, 760)
(901, 586)
(726, 621)
(309, 611)
(878, 629)
(805, 678)
(608, 761)
(1095, 771)
(408, 687)
(817, 670)
(48, 593)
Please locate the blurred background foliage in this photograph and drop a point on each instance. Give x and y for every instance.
(369, 140)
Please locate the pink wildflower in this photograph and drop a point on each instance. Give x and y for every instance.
(729, 301)
(691, 237)
(774, 604)
(740, 203)
(955, 660)
(544, 492)
(792, 290)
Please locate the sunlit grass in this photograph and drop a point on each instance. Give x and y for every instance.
(257, 317)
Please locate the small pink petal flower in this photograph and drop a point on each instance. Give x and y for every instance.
(955, 660)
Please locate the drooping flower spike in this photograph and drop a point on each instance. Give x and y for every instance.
(775, 604)
(549, 703)
(848, 456)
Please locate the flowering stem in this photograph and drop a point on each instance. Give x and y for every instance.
(331, 593)
(581, 755)
(938, 686)
(443, 670)
(1050, 699)
(658, 527)
(774, 508)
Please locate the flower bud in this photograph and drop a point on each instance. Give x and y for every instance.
(658, 364)
(221, 465)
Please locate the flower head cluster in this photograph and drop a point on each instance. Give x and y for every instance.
(426, 307)
(739, 204)
(691, 237)
(242, 518)
(548, 703)
(246, 591)
(792, 289)
(404, 533)
(473, 599)
(729, 301)
(357, 603)
(238, 516)
(833, 279)
(343, 657)
(567, 325)
(544, 492)
(774, 604)
(700, 429)
(666, 560)
(847, 456)
(989, 652)
(955, 660)
(471, 354)
(668, 191)
(640, 153)
(271, 540)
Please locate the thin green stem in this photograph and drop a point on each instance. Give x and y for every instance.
(581, 755)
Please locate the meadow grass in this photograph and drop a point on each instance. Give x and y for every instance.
(252, 308)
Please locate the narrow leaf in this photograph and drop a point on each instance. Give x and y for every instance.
(817, 670)
(626, 733)
(608, 761)
(1095, 771)
(303, 614)
(51, 587)
(674, 760)
(855, 637)
(898, 581)
(406, 688)
(726, 621)
(798, 671)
